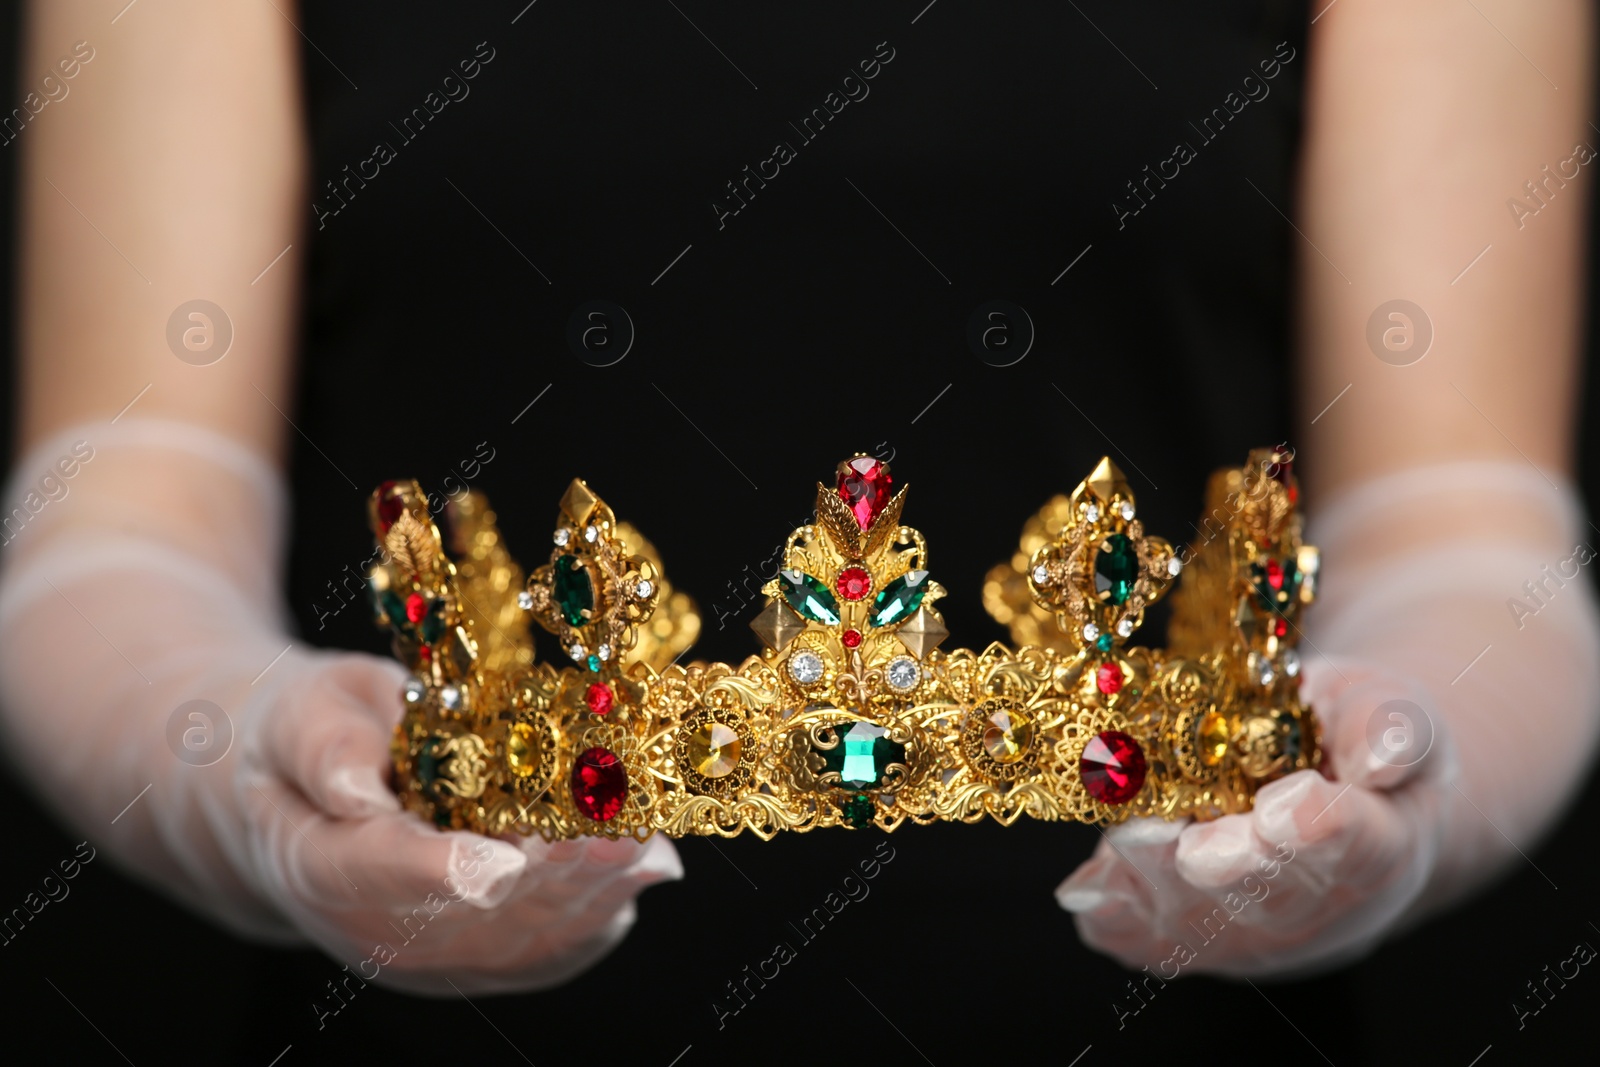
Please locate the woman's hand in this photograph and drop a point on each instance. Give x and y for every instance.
(1315, 874)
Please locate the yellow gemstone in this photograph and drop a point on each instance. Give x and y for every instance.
(1212, 738)
(1007, 735)
(522, 756)
(714, 749)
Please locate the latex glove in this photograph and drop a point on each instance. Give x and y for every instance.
(1433, 783)
(150, 582)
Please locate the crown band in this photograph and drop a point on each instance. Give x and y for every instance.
(851, 715)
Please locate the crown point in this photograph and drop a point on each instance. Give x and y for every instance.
(579, 502)
(777, 626)
(864, 484)
(390, 502)
(1106, 480)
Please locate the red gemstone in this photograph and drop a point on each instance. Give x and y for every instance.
(1108, 678)
(391, 505)
(1280, 627)
(854, 583)
(599, 698)
(851, 638)
(599, 783)
(1275, 574)
(1112, 767)
(864, 484)
(416, 608)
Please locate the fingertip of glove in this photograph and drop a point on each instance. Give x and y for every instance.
(482, 871)
(359, 792)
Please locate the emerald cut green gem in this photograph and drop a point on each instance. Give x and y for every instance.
(573, 592)
(433, 623)
(428, 767)
(594, 662)
(1103, 642)
(1116, 569)
(858, 811)
(862, 755)
(897, 601)
(809, 597)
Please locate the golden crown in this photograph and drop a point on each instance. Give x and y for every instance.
(852, 715)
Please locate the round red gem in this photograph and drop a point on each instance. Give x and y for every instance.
(391, 505)
(1280, 627)
(1109, 678)
(416, 607)
(853, 583)
(1275, 574)
(599, 698)
(1112, 767)
(851, 638)
(864, 484)
(599, 783)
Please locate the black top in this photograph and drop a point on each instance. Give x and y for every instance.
(797, 223)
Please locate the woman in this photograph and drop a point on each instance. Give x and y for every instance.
(180, 169)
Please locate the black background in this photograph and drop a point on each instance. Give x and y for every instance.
(586, 159)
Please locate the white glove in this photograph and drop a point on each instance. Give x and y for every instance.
(147, 579)
(1457, 725)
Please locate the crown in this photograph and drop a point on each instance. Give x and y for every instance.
(851, 714)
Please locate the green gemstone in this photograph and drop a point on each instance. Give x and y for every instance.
(428, 765)
(574, 593)
(858, 811)
(433, 623)
(1277, 583)
(594, 662)
(897, 601)
(1116, 569)
(809, 597)
(1103, 642)
(862, 755)
(1293, 737)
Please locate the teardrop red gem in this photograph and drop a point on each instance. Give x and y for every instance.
(864, 485)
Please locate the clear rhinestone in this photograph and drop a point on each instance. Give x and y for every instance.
(1291, 662)
(1174, 565)
(450, 697)
(1264, 672)
(525, 600)
(1092, 513)
(805, 667)
(604, 651)
(590, 534)
(1127, 513)
(562, 536)
(414, 690)
(1124, 627)
(1090, 631)
(903, 673)
(1041, 575)
(643, 588)
(577, 652)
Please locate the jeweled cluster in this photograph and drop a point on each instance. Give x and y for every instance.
(852, 715)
